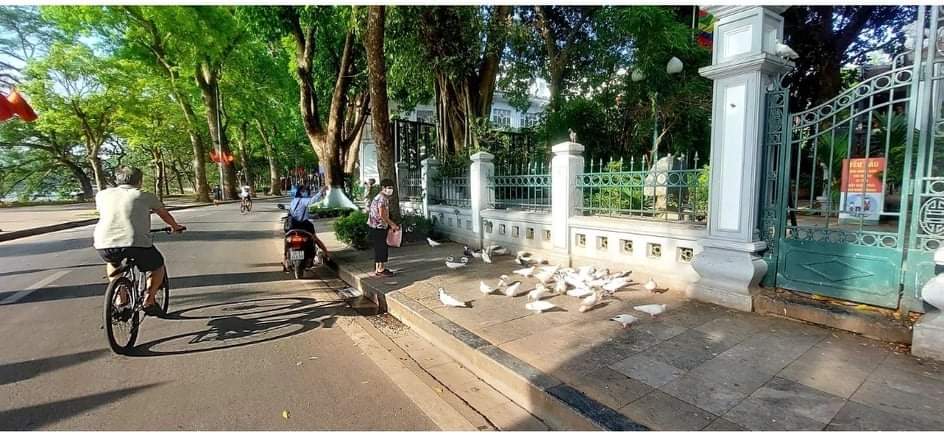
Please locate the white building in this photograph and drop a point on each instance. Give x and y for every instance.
(503, 116)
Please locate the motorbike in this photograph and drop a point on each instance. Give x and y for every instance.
(300, 253)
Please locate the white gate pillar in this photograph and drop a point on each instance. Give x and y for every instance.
(566, 166)
(480, 194)
(743, 64)
(430, 188)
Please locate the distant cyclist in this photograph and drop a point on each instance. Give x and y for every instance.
(123, 231)
(245, 196)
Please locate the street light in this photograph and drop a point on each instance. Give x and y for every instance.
(674, 66)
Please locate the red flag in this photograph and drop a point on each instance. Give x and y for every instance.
(6, 112)
(20, 107)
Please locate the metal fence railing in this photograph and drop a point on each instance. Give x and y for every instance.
(454, 190)
(666, 190)
(526, 187)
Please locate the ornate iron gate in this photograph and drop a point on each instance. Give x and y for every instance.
(414, 141)
(853, 197)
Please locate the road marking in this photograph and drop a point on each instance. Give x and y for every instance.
(37, 285)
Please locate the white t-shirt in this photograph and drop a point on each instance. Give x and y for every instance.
(245, 192)
(124, 217)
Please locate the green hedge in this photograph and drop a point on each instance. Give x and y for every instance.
(353, 230)
(321, 213)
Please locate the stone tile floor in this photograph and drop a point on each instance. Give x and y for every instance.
(696, 367)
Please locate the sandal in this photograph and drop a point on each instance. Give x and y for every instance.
(153, 310)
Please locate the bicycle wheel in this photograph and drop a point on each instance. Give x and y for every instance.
(121, 327)
(163, 295)
(242, 208)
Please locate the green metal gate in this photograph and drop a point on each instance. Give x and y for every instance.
(853, 194)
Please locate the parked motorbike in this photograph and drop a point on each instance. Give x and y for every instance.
(300, 252)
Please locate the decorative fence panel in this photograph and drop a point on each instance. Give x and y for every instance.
(666, 190)
(453, 190)
(525, 187)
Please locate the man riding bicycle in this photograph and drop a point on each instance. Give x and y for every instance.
(123, 231)
(245, 196)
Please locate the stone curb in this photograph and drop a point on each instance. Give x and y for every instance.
(13, 235)
(558, 404)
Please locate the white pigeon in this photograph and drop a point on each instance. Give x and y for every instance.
(615, 284)
(526, 272)
(784, 50)
(455, 264)
(573, 280)
(448, 300)
(579, 292)
(502, 280)
(512, 289)
(650, 285)
(651, 309)
(432, 242)
(539, 306)
(485, 289)
(539, 292)
(544, 276)
(486, 258)
(625, 319)
(498, 250)
(589, 302)
(560, 287)
(477, 254)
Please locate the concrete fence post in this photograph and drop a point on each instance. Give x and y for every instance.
(566, 166)
(480, 194)
(430, 171)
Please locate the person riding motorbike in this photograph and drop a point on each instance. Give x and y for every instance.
(300, 217)
(124, 231)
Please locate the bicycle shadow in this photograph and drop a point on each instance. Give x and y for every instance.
(237, 324)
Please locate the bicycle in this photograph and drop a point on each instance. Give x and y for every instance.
(245, 206)
(126, 322)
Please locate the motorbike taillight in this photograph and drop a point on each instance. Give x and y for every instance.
(297, 241)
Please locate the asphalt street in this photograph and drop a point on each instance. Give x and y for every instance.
(245, 347)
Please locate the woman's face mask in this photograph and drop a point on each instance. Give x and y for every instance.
(388, 191)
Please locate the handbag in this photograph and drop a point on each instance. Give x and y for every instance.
(394, 237)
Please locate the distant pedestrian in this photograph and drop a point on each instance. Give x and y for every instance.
(380, 222)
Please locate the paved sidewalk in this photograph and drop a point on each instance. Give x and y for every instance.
(696, 367)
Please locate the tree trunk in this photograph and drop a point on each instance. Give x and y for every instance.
(199, 181)
(177, 175)
(244, 158)
(207, 78)
(380, 113)
(80, 175)
(275, 187)
(97, 172)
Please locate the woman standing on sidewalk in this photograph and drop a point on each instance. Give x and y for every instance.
(379, 222)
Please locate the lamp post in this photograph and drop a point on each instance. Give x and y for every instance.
(674, 66)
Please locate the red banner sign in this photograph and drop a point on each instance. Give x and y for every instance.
(863, 175)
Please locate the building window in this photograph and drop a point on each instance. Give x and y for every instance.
(602, 242)
(435, 220)
(449, 221)
(627, 246)
(488, 227)
(501, 229)
(529, 120)
(529, 234)
(501, 118)
(547, 235)
(426, 116)
(468, 225)
(654, 250)
(581, 240)
(685, 255)
(515, 232)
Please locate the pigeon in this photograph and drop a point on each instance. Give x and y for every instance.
(432, 242)
(560, 287)
(485, 289)
(455, 264)
(499, 251)
(502, 280)
(522, 261)
(544, 276)
(618, 275)
(615, 284)
(512, 289)
(650, 285)
(526, 272)
(539, 292)
(448, 300)
(486, 258)
(466, 252)
(589, 302)
(625, 319)
(651, 309)
(477, 253)
(539, 306)
(579, 292)
(784, 50)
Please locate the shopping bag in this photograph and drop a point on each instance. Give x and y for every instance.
(394, 237)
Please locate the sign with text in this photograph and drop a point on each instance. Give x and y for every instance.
(862, 190)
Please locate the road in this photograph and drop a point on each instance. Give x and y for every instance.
(246, 348)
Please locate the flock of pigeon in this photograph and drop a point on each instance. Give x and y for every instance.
(588, 284)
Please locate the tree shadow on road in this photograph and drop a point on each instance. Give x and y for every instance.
(20, 371)
(36, 416)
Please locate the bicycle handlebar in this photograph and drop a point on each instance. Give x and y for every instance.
(167, 229)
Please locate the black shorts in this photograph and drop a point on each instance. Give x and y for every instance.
(147, 259)
(378, 237)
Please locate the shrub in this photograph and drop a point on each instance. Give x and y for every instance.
(352, 229)
(322, 213)
(415, 227)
